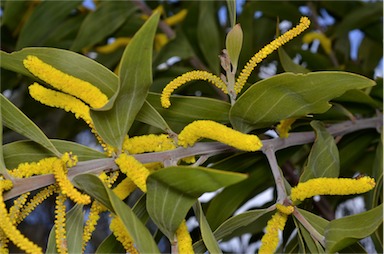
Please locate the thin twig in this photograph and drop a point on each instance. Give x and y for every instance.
(279, 181)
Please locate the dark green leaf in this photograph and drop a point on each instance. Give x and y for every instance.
(14, 119)
(291, 95)
(110, 245)
(206, 232)
(135, 78)
(288, 64)
(149, 115)
(173, 190)
(323, 161)
(358, 96)
(343, 232)
(141, 236)
(98, 26)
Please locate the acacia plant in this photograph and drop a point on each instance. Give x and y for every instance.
(170, 131)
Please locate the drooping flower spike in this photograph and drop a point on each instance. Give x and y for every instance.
(83, 90)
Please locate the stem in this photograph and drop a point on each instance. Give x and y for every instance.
(314, 233)
(23, 185)
(280, 187)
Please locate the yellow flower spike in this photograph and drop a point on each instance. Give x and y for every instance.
(267, 50)
(216, 131)
(124, 188)
(186, 77)
(331, 186)
(177, 18)
(160, 41)
(122, 235)
(9, 229)
(270, 240)
(184, 240)
(109, 48)
(3, 243)
(60, 232)
(66, 187)
(83, 90)
(285, 209)
(325, 42)
(42, 167)
(90, 224)
(35, 201)
(284, 127)
(148, 143)
(134, 170)
(14, 211)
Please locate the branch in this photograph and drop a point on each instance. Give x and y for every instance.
(200, 149)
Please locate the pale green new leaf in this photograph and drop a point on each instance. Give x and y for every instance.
(206, 232)
(323, 161)
(287, 63)
(345, 231)
(290, 95)
(233, 44)
(98, 26)
(135, 78)
(172, 191)
(14, 119)
(141, 236)
(74, 231)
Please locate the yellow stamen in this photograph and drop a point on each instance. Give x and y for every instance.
(186, 77)
(285, 209)
(42, 167)
(184, 240)
(60, 232)
(122, 235)
(10, 229)
(325, 42)
(109, 48)
(90, 224)
(134, 170)
(216, 131)
(177, 18)
(270, 240)
(15, 210)
(284, 127)
(331, 186)
(124, 188)
(66, 83)
(148, 143)
(264, 52)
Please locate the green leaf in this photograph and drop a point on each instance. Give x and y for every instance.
(231, 4)
(323, 160)
(28, 151)
(47, 16)
(208, 35)
(186, 109)
(233, 44)
(13, 12)
(110, 245)
(98, 26)
(291, 95)
(66, 61)
(3, 169)
(358, 96)
(288, 64)
(343, 232)
(149, 115)
(173, 190)
(141, 236)
(206, 232)
(14, 119)
(74, 231)
(135, 78)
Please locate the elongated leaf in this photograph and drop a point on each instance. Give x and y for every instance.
(288, 64)
(74, 229)
(97, 25)
(312, 245)
(94, 186)
(208, 35)
(186, 109)
(359, 96)
(323, 161)
(47, 16)
(66, 61)
(135, 78)
(206, 232)
(149, 115)
(3, 169)
(233, 44)
(28, 151)
(110, 245)
(291, 95)
(344, 231)
(172, 192)
(231, 4)
(14, 119)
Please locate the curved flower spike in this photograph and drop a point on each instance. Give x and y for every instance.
(264, 52)
(109, 48)
(43, 166)
(60, 231)
(184, 240)
(216, 131)
(186, 77)
(331, 186)
(119, 230)
(148, 143)
(284, 126)
(270, 239)
(66, 83)
(325, 42)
